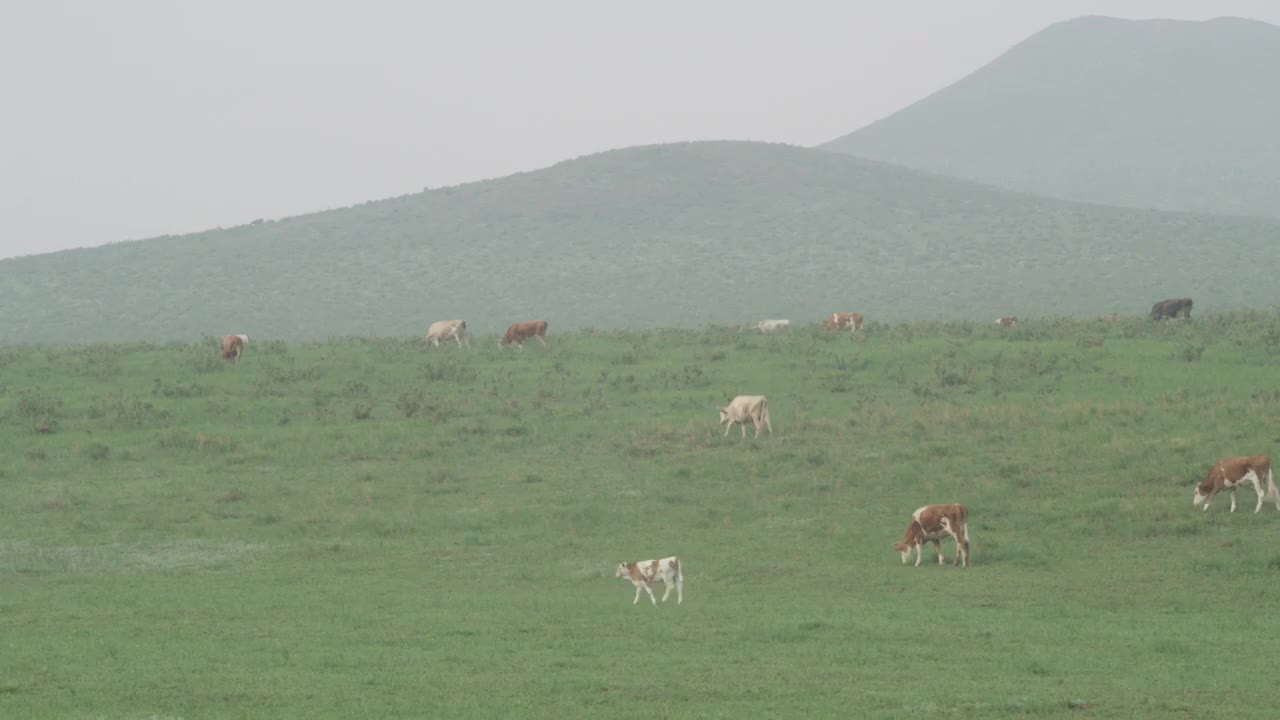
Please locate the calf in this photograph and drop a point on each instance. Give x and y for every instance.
(445, 329)
(754, 408)
(1229, 473)
(932, 523)
(644, 573)
(233, 346)
(521, 331)
(1006, 322)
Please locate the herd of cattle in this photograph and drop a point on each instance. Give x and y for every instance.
(931, 523)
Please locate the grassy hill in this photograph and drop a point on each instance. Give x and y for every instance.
(669, 235)
(360, 529)
(1147, 113)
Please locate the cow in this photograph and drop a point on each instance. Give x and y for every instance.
(932, 523)
(644, 573)
(1171, 309)
(842, 320)
(445, 329)
(521, 331)
(1006, 322)
(233, 346)
(771, 326)
(1230, 473)
(744, 408)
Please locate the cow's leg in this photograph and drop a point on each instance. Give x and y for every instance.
(639, 587)
(651, 598)
(457, 340)
(667, 592)
(727, 427)
(679, 591)
(743, 428)
(919, 547)
(1233, 498)
(541, 340)
(937, 547)
(1208, 500)
(1257, 487)
(521, 346)
(755, 422)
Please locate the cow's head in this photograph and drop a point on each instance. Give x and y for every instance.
(903, 547)
(1198, 498)
(724, 415)
(623, 570)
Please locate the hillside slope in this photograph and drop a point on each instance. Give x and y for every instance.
(1152, 113)
(663, 235)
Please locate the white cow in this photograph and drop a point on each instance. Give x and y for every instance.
(644, 573)
(445, 329)
(771, 326)
(744, 408)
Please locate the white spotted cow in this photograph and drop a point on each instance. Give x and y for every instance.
(1230, 473)
(767, 327)
(933, 523)
(646, 572)
(445, 329)
(744, 409)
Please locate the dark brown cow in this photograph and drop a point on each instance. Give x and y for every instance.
(521, 331)
(843, 320)
(1229, 473)
(233, 346)
(1172, 308)
(932, 523)
(1006, 322)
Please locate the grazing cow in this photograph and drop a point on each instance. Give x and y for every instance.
(644, 573)
(1171, 309)
(233, 346)
(933, 523)
(521, 331)
(445, 329)
(1112, 318)
(1006, 322)
(842, 320)
(1230, 473)
(753, 408)
(771, 326)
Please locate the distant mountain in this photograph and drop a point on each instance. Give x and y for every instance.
(666, 235)
(1145, 113)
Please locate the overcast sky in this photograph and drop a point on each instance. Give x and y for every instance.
(129, 119)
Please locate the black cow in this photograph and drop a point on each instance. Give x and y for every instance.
(1170, 309)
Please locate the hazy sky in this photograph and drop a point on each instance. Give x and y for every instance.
(129, 119)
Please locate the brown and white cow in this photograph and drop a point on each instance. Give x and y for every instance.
(445, 329)
(933, 523)
(843, 320)
(233, 346)
(1006, 322)
(1230, 473)
(521, 331)
(743, 409)
(644, 573)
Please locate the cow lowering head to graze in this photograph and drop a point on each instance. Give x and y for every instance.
(932, 523)
(744, 409)
(521, 331)
(1172, 308)
(233, 346)
(1230, 473)
(644, 573)
(772, 326)
(445, 329)
(844, 320)
(1006, 322)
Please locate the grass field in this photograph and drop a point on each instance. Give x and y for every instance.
(370, 528)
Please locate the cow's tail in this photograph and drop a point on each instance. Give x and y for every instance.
(764, 412)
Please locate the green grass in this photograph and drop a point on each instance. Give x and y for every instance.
(369, 528)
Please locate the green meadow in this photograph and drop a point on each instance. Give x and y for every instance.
(368, 527)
